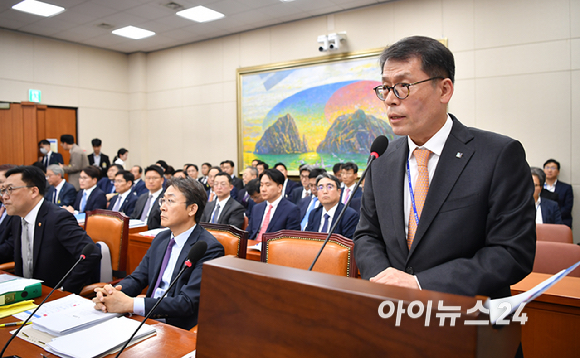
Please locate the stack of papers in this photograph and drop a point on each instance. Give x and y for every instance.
(10, 283)
(153, 233)
(53, 307)
(133, 223)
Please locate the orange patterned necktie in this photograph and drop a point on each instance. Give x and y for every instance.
(420, 191)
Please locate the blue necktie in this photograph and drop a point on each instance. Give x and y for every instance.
(305, 218)
(325, 225)
(216, 213)
(83, 202)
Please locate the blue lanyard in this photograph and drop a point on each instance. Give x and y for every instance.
(412, 194)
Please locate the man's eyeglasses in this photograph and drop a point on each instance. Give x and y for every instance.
(169, 202)
(401, 90)
(327, 186)
(8, 191)
(216, 184)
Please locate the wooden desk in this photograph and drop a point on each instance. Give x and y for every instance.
(553, 318)
(169, 341)
(251, 254)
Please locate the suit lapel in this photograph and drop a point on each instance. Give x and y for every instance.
(277, 214)
(39, 226)
(193, 237)
(225, 210)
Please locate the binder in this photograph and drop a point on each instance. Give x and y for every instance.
(29, 292)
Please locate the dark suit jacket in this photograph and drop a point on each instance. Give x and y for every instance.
(358, 194)
(106, 185)
(97, 200)
(291, 185)
(303, 206)
(7, 239)
(241, 198)
(128, 205)
(104, 165)
(154, 219)
(296, 195)
(550, 212)
(355, 204)
(565, 201)
(139, 189)
(231, 214)
(181, 304)
(345, 227)
(476, 234)
(66, 196)
(286, 217)
(238, 183)
(58, 244)
(55, 158)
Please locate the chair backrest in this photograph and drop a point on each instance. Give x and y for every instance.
(298, 249)
(246, 222)
(234, 240)
(111, 228)
(554, 233)
(553, 257)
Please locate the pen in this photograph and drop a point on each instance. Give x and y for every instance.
(13, 324)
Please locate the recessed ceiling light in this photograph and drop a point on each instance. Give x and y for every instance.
(133, 32)
(200, 14)
(38, 8)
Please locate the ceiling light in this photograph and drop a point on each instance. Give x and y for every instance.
(133, 32)
(38, 8)
(200, 14)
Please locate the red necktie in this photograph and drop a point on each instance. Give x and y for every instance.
(420, 191)
(265, 223)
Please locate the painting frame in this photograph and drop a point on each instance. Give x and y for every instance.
(328, 60)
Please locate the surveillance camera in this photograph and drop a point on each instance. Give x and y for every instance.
(334, 40)
(323, 41)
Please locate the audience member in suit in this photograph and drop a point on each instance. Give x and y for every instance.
(6, 237)
(227, 166)
(48, 240)
(337, 170)
(192, 171)
(564, 191)
(125, 200)
(250, 173)
(349, 176)
(308, 204)
(322, 218)
(205, 167)
(99, 159)
(253, 190)
(224, 209)
(139, 187)
(181, 209)
(276, 212)
(180, 173)
(89, 197)
(303, 191)
(209, 190)
(547, 211)
(147, 207)
(262, 166)
(355, 204)
(289, 185)
(60, 192)
(78, 160)
(48, 156)
(107, 184)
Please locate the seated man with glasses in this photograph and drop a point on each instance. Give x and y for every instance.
(147, 205)
(47, 240)
(60, 192)
(322, 218)
(225, 209)
(181, 208)
(89, 197)
(124, 201)
(310, 202)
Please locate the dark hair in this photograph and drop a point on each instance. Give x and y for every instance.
(216, 168)
(96, 142)
(118, 166)
(337, 167)
(540, 174)
(121, 151)
(92, 171)
(180, 171)
(436, 59)
(163, 164)
(552, 161)
(206, 163)
(6, 167)
(224, 174)
(275, 175)
(139, 167)
(282, 164)
(328, 176)
(252, 187)
(44, 142)
(193, 191)
(127, 175)
(314, 173)
(350, 166)
(191, 165)
(67, 138)
(154, 168)
(31, 176)
(170, 170)
(40, 166)
(264, 165)
(230, 162)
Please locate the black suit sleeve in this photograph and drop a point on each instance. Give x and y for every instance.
(7, 239)
(236, 216)
(69, 197)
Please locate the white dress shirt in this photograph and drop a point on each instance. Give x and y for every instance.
(330, 213)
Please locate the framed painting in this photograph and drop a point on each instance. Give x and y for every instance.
(318, 111)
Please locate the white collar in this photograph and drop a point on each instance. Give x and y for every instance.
(32, 214)
(182, 238)
(90, 190)
(59, 186)
(436, 143)
(331, 211)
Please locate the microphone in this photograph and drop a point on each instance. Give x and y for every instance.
(87, 250)
(195, 254)
(378, 148)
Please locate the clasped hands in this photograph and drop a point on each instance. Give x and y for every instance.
(392, 276)
(112, 299)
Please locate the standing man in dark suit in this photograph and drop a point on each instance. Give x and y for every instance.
(322, 218)
(48, 240)
(225, 209)
(181, 210)
(99, 159)
(124, 202)
(60, 192)
(89, 197)
(564, 191)
(289, 185)
(349, 176)
(78, 160)
(276, 212)
(447, 207)
(547, 211)
(49, 157)
(6, 237)
(147, 208)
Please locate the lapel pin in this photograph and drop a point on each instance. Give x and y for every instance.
(459, 155)
(39, 224)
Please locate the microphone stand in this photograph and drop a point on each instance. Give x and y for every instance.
(346, 205)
